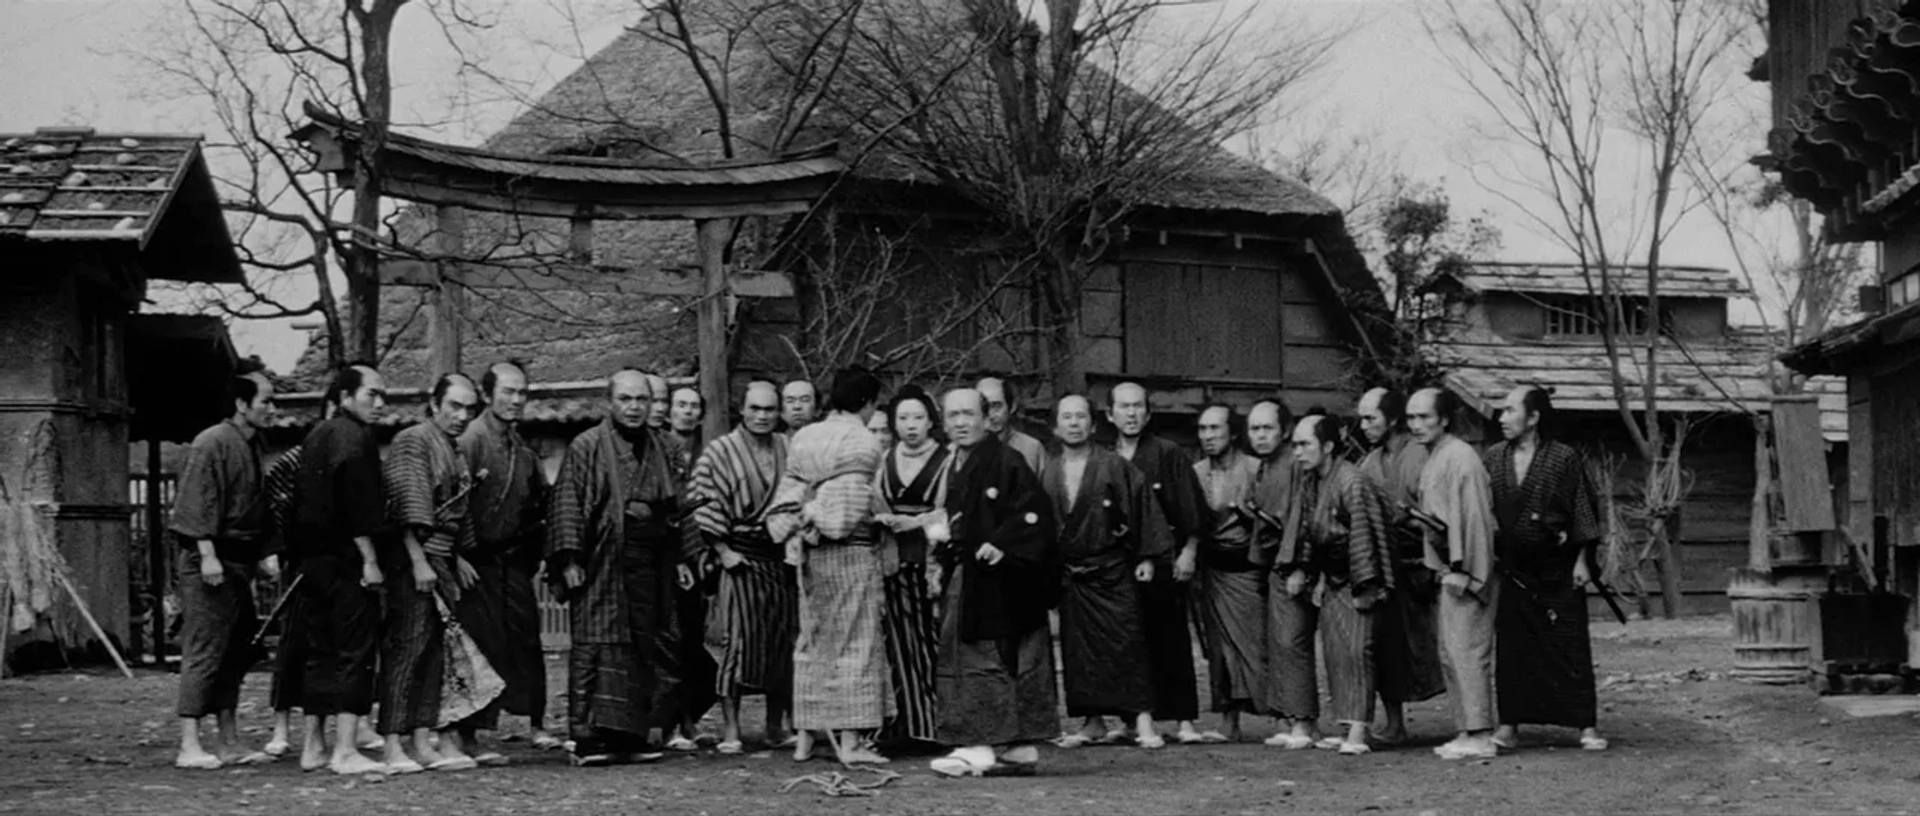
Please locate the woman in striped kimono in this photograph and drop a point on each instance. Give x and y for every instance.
(912, 481)
(823, 515)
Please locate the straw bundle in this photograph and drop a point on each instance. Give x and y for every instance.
(31, 567)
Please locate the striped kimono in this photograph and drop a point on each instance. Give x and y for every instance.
(1548, 520)
(750, 629)
(1345, 546)
(912, 635)
(1233, 589)
(1454, 489)
(825, 501)
(280, 483)
(623, 667)
(424, 475)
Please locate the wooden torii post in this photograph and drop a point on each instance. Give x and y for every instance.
(581, 190)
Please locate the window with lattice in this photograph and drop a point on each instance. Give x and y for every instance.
(1576, 316)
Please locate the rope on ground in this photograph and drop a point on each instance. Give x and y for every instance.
(835, 783)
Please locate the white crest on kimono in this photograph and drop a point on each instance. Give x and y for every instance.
(1033, 518)
(993, 492)
(1156, 485)
(1106, 502)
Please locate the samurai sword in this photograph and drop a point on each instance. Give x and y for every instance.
(1606, 594)
(261, 636)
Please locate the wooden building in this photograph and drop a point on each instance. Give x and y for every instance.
(86, 220)
(1845, 76)
(1539, 324)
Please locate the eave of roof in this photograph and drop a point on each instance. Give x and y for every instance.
(1698, 379)
(1841, 348)
(1567, 279)
(150, 193)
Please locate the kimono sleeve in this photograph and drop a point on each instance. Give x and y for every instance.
(568, 509)
(1026, 531)
(362, 499)
(200, 502)
(1147, 523)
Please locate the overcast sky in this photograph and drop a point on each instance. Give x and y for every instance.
(74, 62)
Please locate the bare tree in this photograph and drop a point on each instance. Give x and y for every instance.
(1060, 125)
(1560, 80)
(1361, 169)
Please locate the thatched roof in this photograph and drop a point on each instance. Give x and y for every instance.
(640, 99)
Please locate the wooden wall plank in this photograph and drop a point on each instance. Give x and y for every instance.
(1801, 457)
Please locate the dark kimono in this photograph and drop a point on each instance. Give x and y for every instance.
(912, 635)
(508, 507)
(1406, 653)
(995, 679)
(623, 666)
(1164, 602)
(1544, 658)
(221, 501)
(339, 496)
(1107, 528)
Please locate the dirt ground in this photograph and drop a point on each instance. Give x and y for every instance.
(1685, 739)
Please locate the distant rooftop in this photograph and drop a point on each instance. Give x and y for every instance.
(1628, 279)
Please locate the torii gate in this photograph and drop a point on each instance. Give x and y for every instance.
(456, 179)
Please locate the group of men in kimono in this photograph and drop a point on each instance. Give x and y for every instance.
(1420, 565)
(764, 563)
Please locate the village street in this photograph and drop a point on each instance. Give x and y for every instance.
(1685, 739)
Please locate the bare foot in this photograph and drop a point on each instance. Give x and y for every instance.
(803, 746)
(354, 764)
(197, 760)
(858, 755)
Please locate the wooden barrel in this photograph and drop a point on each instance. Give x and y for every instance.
(1773, 617)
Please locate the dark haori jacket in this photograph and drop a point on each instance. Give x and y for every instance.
(1548, 520)
(508, 504)
(339, 492)
(588, 525)
(1340, 528)
(1175, 489)
(221, 497)
(994, 498)
(1112, 524)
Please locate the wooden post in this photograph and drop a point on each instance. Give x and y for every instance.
(1760, 524)
(156, 556)
(449, 297)
(712, 233)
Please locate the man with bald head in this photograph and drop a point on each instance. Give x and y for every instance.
(1292, 687)
(1549, 521)
(614, 546)
(427, 488)
(1110, 534)
(1002, 408)
(1164, 600)
(1406, 656)
(340, 509)
(799, 405)
(1456, 506)
(754, 617)
(996, 544)
(509, 511)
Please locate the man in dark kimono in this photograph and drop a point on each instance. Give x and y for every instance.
(685, 410)
(219, 524)
(1003, 410)
(508, 510)
(614, 545)
(1549, 527)
(340, 510)
(1406, 655)
(994, 679)
(1164, 600)
(750, 633)
(1110, 534)
(427, 489)
(1456, 500)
